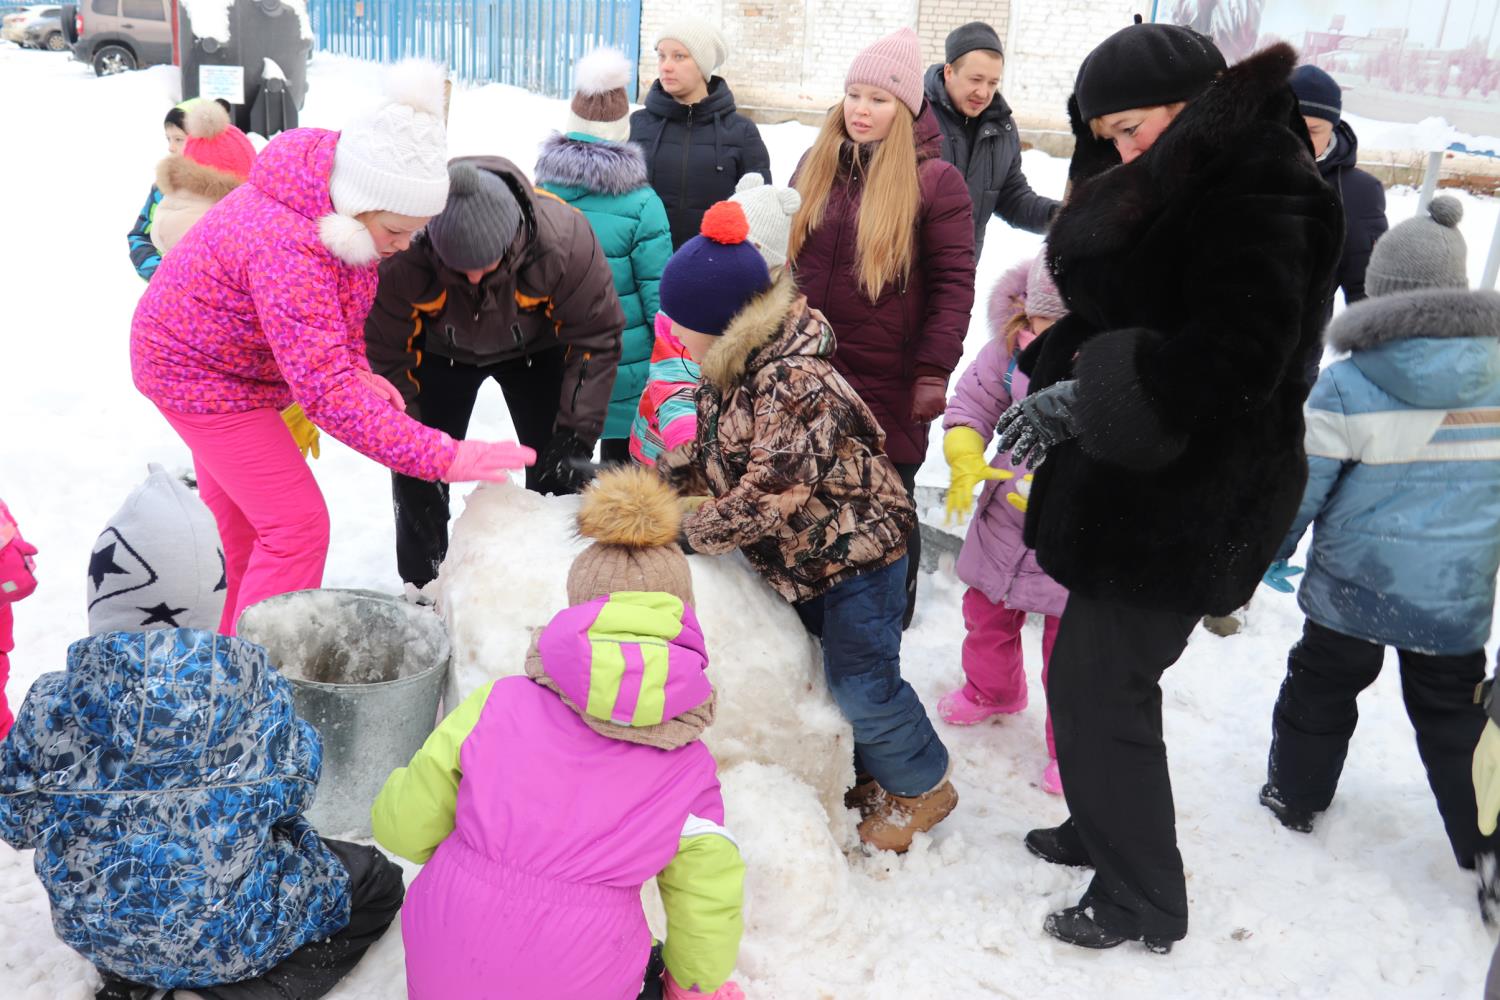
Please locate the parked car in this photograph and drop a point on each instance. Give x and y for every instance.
(45, 32)
(13, 25)
(115, 36)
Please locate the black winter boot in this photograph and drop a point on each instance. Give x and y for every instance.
(1076, 925)
(115, 988)
(1292, 818)
(1059, 845)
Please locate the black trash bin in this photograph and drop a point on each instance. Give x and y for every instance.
(259, 31)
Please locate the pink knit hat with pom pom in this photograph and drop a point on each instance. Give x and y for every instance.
(895, 64)
(1042, 297)
(213, 142)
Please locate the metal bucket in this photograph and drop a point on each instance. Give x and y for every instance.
(367, 670)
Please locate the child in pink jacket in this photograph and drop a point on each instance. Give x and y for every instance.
(17, 581)
(262, 304)
(1004, 579)
(545, 802)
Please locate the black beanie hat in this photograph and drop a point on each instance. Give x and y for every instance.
(967, 38)
(1318, 93)
(1143, 66)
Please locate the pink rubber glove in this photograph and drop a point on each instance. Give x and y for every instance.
(487, 461)
(729, 991)
(382, 387)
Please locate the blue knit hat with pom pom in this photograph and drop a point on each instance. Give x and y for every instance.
(715, 273)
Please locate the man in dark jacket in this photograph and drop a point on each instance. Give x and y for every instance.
(507, 283)
(1363, 197)
(980, 136)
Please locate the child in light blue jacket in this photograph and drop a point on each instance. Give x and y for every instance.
(1403, 495)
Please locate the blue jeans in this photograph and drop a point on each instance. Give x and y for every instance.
(859, 621)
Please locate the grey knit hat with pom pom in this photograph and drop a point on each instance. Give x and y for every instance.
(1425, 252)
(479, 222)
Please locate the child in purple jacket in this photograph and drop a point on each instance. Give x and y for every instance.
(1004, 579)
(544, 802)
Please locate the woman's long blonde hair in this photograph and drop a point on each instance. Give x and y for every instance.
(886, 239)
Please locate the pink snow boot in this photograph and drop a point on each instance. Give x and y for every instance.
(1052, 779)
(960, 708)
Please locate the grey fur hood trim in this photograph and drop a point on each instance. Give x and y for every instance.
(1440, 312)
(612, 168)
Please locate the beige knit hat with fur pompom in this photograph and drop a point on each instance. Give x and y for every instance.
(633, 518)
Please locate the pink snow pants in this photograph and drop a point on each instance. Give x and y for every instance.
(994, 670)
(272, 520)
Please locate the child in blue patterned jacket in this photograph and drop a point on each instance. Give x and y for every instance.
(1403, 495)
(161, 780)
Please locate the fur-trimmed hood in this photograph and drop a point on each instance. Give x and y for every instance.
(775, 324)
(612, 168)
(1006, 297)
(179, 175)
(1440, 313)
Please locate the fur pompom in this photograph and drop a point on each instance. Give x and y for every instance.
(601, 71)
(725, 222)
(205, 118)
(418, 84)
(348, 240)
(630, 506)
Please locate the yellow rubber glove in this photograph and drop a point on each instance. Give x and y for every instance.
(964, 450)
(1487, 777)
(304, 432)
(1020, 497)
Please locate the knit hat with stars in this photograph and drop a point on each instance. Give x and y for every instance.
(158, 563)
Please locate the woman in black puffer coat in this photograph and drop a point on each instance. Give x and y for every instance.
(1168, 407)
(697, 146)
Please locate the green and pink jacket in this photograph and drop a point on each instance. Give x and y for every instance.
(541, 831)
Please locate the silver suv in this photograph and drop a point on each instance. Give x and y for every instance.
(119, 35)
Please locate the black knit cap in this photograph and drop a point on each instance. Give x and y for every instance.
(967, 38)
(1145, 65)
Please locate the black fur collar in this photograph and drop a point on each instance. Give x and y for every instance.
(1103, 212)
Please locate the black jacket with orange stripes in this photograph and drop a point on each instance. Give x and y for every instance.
(553, 286)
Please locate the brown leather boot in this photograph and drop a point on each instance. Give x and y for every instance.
(864, 796)
(896, 819)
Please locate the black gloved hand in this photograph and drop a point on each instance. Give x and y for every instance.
(565, 465)
(1030, 428)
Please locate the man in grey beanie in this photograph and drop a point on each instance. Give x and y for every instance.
(980, 137)
(507, 283)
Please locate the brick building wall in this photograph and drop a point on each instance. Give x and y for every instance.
(790, 55)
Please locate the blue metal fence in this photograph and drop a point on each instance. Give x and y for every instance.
(528, 43)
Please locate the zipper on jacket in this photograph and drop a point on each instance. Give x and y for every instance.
(520, 341)
(687, 149)
(583, 374)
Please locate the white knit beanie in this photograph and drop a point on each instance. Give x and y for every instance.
(395, 158)
(702, 40)
(158, 563)
(769, 211)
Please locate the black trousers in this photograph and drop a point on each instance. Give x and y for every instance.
(908, 473)
(532, 388)
(1103, 692)
(376, 892)
(1315, 716)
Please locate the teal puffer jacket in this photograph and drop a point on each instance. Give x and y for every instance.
(606, 181)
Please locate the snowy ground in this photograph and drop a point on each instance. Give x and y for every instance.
(1370, 905)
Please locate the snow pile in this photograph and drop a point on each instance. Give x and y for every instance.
(209, 18)
(1428, 135)
(506, 576)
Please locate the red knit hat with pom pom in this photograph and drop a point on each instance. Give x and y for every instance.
(715, 274)
(213, 142)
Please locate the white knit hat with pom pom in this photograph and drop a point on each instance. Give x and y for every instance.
(600, 107)
(769, 211)
(395, 158)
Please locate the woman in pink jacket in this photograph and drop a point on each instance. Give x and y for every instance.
(17, 580)
(1004, 579)
(543, 803)
(262, 304)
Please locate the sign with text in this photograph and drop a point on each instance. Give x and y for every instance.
(222, 82)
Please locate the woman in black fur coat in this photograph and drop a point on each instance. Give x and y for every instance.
(1168, 407)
